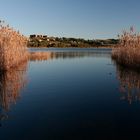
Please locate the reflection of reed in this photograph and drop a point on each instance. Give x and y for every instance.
(11, 83)
(40, 56)
(129, 84)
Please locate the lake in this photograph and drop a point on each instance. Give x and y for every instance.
(75, 94)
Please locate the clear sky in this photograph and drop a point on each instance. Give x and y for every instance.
(90, 19)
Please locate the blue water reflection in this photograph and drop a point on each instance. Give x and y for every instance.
(74, 94)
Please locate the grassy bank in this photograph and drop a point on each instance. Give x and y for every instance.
(128, 50)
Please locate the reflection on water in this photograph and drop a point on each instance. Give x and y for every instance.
(40, 56)
(70, 98)
(129, 84)
(79, 54)
(11, 83)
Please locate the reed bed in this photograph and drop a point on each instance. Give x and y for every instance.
(127, 52)
(13, 47)
(129, 84)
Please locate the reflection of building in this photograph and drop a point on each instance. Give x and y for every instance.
(11, 83)
(129, 84)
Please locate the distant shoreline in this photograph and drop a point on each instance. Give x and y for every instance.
(99, 47)
(70, 48)
(43, 41)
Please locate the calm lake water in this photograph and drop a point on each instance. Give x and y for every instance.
(75, 94)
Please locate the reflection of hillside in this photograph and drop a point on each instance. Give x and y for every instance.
(129, 84)
(40, 56)
(78, 54)
(11, 83)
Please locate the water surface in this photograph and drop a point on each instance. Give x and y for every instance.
(74, 94)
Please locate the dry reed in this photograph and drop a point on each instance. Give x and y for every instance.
(13, 47)
(128, 50)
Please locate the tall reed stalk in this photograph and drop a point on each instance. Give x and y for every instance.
(13, 47)
(128, 50)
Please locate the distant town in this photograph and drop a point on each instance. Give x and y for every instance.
(64, 42)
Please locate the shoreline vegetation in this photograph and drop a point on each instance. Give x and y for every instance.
(127, 52)
(40, 41)
(13, 47)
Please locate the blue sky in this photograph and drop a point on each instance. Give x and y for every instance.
(90, 19)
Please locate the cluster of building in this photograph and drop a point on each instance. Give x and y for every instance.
(42, 37)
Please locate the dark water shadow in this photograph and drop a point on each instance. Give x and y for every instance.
(11, 84)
